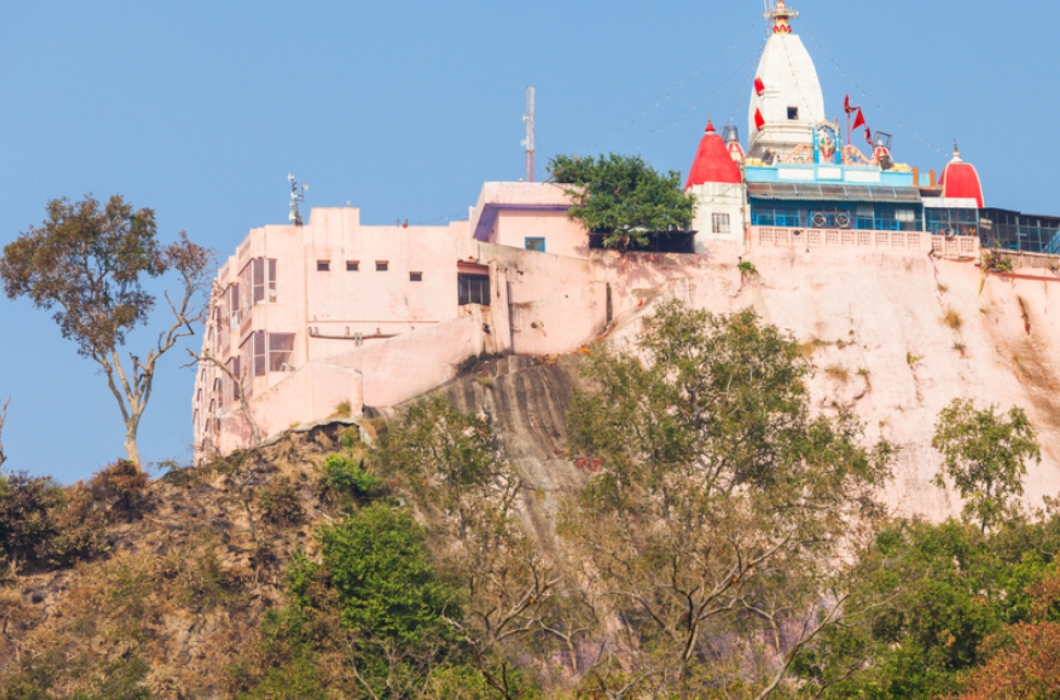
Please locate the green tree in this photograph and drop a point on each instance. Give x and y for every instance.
(946, 590)
(457, 475)
(715, 526)
(623, 197)
(88, 262)
(1023, 659)
(984, 453)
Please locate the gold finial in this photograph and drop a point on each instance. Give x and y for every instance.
(780, 15)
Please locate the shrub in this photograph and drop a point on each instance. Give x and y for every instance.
(953, 319)
(996, 261)
(281, 503)
(747, 268)
(81, 529)
(200, 583)
(344, 409)
(345, 478)
(122, 488)
(27, 516)
(386, 586)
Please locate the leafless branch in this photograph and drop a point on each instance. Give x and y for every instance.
(244, 405)
(3, 417)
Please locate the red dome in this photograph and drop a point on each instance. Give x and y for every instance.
(961, 180)
(713, 162)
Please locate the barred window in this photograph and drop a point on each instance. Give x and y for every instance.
(473, 289)
(720, 223)
(281, 348)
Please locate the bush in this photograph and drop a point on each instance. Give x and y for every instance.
(281, 503)
(344, 478)
(27, 516)
(122, 488)
(81, 529)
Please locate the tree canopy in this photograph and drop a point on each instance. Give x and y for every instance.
(985, 455)
(88, 261)
(721, 506)
(623, 197)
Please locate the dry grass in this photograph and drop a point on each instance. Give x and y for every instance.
(809, 347)
(953, 319)
(837, 373)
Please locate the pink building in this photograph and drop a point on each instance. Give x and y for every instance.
(314, 316)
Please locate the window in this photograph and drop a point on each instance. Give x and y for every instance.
(905, 215)
(259, 353)
(473, 289)
(258, 282)
(535, 244)
(720, 223)
(415, 277)
(353, 265)
(381, 265)
(323, 265)
(233, 367)
(234, 303)
(793, 113)
(281, 347)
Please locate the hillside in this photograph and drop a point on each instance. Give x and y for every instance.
(172, 595)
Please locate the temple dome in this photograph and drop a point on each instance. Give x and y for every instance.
(787, 102)
(961, 180)
(713, 162)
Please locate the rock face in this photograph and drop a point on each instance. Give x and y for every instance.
(893, 338)
(527, 399)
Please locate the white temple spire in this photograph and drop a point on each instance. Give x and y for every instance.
(787, 102)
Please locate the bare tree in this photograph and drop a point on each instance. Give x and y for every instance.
(87, 261)
(3, 417)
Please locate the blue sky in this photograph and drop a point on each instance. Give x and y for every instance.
(200, 109)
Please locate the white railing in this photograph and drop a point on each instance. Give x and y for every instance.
(907, 241)
(955, 246)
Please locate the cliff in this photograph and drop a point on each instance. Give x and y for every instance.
(895, 338)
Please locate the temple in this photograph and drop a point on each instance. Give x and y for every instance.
(333, 317)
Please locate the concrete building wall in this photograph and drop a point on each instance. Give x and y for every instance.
(561, 235)
(725, 201)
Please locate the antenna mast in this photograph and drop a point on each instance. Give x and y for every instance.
(529, 142)
(297, 195)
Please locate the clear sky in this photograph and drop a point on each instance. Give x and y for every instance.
(199, 110)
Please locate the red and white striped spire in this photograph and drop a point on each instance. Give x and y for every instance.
(780, 15)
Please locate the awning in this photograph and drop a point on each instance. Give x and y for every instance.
(805, 192)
